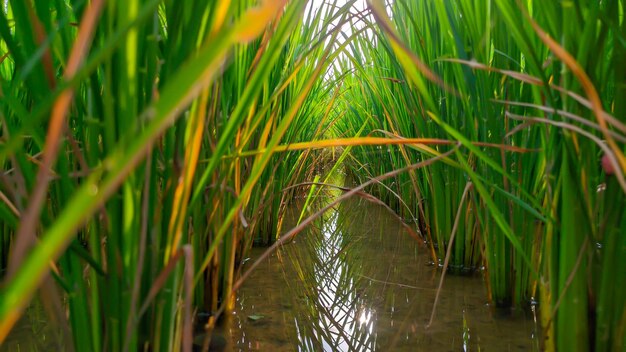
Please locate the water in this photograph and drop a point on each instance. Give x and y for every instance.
(357, 282)
(34, 332)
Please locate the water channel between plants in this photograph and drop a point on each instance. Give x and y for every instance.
(356, 281)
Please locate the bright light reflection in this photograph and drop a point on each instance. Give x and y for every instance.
(344, 323)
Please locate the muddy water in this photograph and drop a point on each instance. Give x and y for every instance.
(357, 282)
(34, 333)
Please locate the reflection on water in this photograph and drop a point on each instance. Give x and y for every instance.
(357, 282)
(343, 322)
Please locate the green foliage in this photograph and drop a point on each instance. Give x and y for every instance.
(165, 95)
(489, 72)
(146, 145)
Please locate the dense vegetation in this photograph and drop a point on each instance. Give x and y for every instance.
(146, 144)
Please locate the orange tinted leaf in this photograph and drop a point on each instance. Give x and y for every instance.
(254, 21)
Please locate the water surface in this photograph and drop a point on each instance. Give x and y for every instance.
(354, 281)
(357, 282)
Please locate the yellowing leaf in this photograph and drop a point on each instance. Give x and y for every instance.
(254, 21)
(220, 14)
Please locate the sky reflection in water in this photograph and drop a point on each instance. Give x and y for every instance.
(355, 281)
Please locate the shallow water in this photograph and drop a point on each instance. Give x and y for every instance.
(33, 333)
(354, 281)
(357, 282)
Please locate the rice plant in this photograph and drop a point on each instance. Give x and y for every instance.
(146, 145)
(548, 116)
(135, 192)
